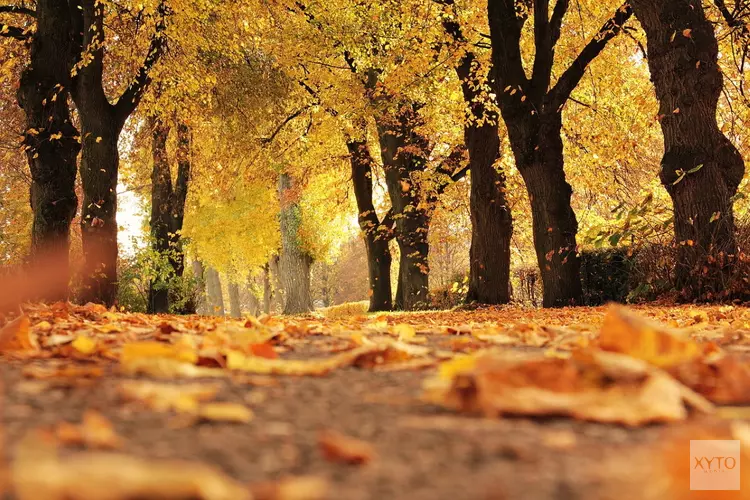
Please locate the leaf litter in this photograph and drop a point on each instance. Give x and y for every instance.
(623, 366)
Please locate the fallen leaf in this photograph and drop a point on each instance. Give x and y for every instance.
(337, 447)
(84, 344)
(627, 333)
(17, 336)
(594, 385)
(183, 398)
(225, 412)
(39, 473)
(95, 431)
(298, 488)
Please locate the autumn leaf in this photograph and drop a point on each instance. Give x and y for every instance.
(627, 333)
(337, 447)
(17, 336)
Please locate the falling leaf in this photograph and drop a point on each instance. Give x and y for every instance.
(337, 447)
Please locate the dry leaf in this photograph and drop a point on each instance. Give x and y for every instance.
(184, 398)
(17, 336)
(225, 412)
(597, 386)
(627, 333)
(337, 447)
(84, 344)
(253, 364)
(95, 431)
(39, 473)
(167, 368)
(299, 488)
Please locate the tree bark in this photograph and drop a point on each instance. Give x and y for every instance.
(375, 233)
(701, 169)
(201, 302)
(168, 209)
(491, 221)
(215, 294)
(294, 262)
(101, 125)
(50, 139)
(235, 310)
(266, 289)
(404, 152)
(532, 112)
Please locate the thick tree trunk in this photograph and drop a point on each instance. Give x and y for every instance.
(215, 294)
(99, 170)
(538, 148)
(376, 234)
(235, 310)
(294, 262)
(50, 138)
(701, 169)
(101, 125)
(404, 151)
(491, 221)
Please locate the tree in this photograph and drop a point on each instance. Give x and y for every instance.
(50, 139)
(294, 261)
(168, 205)
(101, 125)
(377, 233)
(701, 168)
(532, 112)
(491, 221)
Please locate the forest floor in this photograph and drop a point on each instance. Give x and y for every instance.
(499, 403)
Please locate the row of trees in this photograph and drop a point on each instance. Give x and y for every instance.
(251, 104)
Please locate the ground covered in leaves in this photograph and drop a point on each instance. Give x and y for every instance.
(489, 404)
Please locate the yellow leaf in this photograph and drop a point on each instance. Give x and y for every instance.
(404, 332)
(84, 344)
(225, 412)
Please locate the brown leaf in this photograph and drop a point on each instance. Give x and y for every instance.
(337, 447)
(595, 385)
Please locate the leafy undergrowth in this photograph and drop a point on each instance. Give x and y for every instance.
(620, 366)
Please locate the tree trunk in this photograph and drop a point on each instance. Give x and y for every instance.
(101, 125)
(701, 169)
(266, 289)
(235, 310)
(99, 170)
(201, 302)
(161, 194)
(215, 294)
(491, 221)
(376, 234)
(404, 151)
(50, 139)
(253, 304)
(538, 148)
(294, 263)
(168, 210)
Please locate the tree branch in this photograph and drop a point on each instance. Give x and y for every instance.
(15, 9)
(572, 76)
(270, 138)
(13, 32)
(505, 33)
(132, 96)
